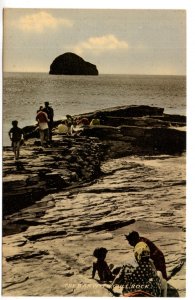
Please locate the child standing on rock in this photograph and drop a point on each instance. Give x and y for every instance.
(101, 265)
(16, 136)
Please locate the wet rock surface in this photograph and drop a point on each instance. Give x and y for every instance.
(78, 198)
(56, 254)
(68, 162)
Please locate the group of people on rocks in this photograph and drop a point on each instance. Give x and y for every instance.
(73, 126)
(147, 277)
(45, 120)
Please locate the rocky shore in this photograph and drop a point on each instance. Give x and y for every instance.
(74, 160)
(55, 212)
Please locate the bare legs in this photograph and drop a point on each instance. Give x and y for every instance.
(16, 149)
(44, 136)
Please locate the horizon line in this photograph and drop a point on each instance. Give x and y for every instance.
(133, 74)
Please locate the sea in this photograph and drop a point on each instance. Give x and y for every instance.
(24, 93)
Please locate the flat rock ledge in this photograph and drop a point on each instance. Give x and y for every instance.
(72, 161)
(69, 162)
(36, 246)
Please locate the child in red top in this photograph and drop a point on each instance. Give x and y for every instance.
(155, 253)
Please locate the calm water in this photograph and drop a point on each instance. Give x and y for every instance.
(23, 93)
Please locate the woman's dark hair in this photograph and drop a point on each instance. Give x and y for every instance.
(133, 236)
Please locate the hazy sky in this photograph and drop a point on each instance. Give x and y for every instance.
(122, 41)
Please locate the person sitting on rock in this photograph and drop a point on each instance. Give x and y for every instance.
(78, 125)
(155, 253)
(63, 128)
(16, 136)
(142, 279)
(69, 123)
(83, 122)
(73, 126)
(101, 265)
(95, 121)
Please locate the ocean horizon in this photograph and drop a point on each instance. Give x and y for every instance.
(23, 93)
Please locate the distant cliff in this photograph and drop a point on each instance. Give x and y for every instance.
(72, 64)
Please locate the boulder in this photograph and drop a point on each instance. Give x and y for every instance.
(72, 64)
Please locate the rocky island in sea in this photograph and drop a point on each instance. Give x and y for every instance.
(72, 64)
(87, 191)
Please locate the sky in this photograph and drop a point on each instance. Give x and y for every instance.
(117, 41)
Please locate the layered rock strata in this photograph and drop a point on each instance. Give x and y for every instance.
(53, 216)
(72, 160)
(53, 256)
(68, 163)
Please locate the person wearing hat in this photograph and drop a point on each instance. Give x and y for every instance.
(155, 253)
(142, 279)
(50, 113)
